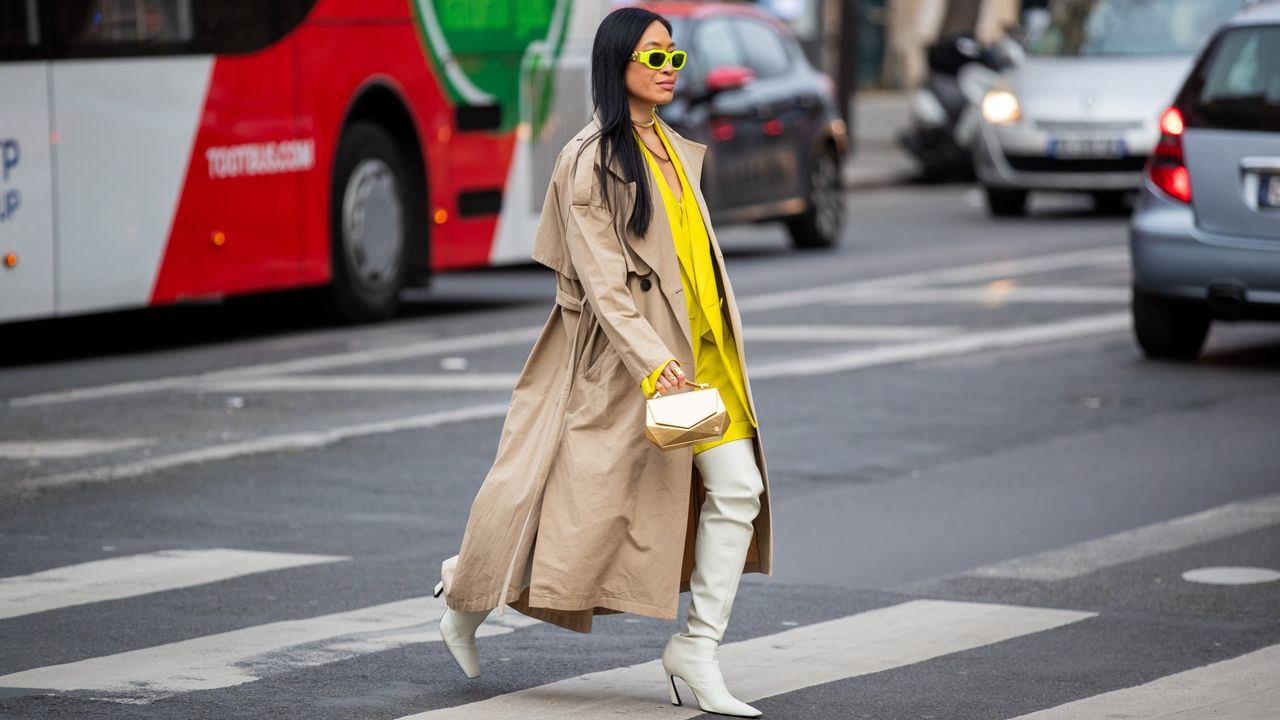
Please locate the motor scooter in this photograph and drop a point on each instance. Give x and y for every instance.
(944, 110)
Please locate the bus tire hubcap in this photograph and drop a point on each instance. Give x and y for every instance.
(372, 225)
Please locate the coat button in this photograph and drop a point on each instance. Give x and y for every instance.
(645, 284)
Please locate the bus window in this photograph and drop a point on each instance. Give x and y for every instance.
(104, 23)
(19, 29)
(123, 28)
(242, 26)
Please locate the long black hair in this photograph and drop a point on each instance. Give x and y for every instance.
(615, 40)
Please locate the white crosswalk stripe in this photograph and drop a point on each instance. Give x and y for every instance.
(132, 575)
(1242, 688)
(1182, 532)
(860, 644)
(248, 654)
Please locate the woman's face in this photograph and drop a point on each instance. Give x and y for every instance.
(643, 82)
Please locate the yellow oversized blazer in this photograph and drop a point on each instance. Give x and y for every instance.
(580, 514)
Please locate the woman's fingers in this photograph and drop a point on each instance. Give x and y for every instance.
(678, 378)
(671, 377)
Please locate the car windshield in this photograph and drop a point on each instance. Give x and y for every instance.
(1111, 28)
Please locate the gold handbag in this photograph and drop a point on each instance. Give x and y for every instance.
(687, 418)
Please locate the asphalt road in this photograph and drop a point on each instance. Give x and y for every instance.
(985, 499)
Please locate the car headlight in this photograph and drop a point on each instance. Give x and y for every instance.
(1000, 107)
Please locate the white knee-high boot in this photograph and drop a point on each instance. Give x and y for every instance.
(458, 630)
(733, 484)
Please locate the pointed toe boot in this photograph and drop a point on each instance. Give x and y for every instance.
(693, 660)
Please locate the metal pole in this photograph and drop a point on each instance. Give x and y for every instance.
(846, 76)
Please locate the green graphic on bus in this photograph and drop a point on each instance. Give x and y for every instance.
(484, 50)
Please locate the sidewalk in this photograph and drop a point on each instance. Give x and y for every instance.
(877, 160)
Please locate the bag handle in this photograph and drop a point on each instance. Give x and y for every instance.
(658, 393)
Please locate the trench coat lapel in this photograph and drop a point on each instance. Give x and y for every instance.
(691, 155)
(657, 249)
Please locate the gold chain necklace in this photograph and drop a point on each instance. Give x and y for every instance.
(663, 157)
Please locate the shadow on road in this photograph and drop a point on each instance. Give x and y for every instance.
(1256, 357)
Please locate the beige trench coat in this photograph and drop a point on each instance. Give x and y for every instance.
(578, 503)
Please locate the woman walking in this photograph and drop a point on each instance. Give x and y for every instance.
(580, 514)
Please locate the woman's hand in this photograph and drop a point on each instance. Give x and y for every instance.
(672, 378)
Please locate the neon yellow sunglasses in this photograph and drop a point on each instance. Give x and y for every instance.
(657, 59)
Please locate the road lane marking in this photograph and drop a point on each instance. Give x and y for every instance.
(61, 449)
(994, 295)
(966, 344)
(364, 383)
(425, 348)
(1231, 575)
(1242, 688)
(820, 365)
(846, 333)
(791, 660)
(269, 444)
(1155, 539)
(963, 274)
(506, 381)
(133, 575)
(252, 653)
(767, 301)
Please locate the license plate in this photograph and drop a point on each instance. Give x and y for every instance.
(1269, 191)
(1081, 148)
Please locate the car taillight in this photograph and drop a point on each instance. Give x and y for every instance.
(1168, 168)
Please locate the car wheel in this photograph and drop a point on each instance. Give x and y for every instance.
(1169, 329)
(369, 226)
(820, 224)
(1006, 203)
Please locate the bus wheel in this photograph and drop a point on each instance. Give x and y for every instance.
(369, 227)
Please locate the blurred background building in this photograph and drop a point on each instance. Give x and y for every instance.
(898, 31)
(889, 37)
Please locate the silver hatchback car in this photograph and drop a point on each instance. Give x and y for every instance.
(1079, 114)
(1205, 234)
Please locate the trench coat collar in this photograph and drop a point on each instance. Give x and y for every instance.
(691, 155)
(657, 246)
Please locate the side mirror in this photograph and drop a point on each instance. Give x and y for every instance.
(728, 77)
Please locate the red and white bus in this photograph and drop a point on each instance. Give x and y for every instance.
(154, 151)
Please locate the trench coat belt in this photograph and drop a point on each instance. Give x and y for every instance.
(566, 300)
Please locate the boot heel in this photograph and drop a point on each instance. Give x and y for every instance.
(439, 589)
(675, 695)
